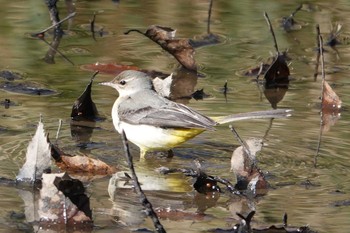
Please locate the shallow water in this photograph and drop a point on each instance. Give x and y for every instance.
(305, 193)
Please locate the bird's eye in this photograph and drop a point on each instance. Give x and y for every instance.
(122, 82)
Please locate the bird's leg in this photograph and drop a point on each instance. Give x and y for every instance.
(143, 154)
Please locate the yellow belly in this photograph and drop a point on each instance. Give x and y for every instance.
(150, 138)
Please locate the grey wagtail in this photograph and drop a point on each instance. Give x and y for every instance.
(155, 123)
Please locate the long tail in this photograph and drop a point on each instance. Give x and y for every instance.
(276, 113)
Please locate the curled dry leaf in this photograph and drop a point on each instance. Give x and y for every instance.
(84, 107)
(80, 164)
(38, 157)
(330, 99)
(181, 49)
(250, 179)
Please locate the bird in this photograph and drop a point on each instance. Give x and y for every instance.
(155, 123)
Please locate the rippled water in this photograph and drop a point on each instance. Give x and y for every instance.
(306, 193)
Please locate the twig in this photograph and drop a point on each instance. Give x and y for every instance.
(225, 91)
(59, 129)
(94, 75)
(296, 10)
(318, 52)
(56, 50)
(209, 16)
(320, 42)
(196, 173)
(143, 199)
(92, 26)
(272, 32)
(241, 142)
(134, 30)
(54, 25)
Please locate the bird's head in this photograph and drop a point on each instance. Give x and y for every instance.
(129, 82)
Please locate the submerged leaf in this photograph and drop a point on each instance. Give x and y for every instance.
(38, 157)
(108, 68)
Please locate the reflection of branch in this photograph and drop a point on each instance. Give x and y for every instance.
(271, 30)
(92, 26)
(209, 16)
(268, 128)
(54, 25)
(53, 49)
(146, 204)
(320, 43)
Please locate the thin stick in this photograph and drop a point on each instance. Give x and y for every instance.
(209, 16)
(134, 30)
(318, 52)
(272, 32)
(59, 129)
(296, 10)
(143, 199)
(241, 142)
(92, 26)
(56, 50)
(54, 25)
(320, 40)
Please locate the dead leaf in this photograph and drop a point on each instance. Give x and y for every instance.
(63, 201)
(330, 99)
(38, 157)
(278, 73)
(250, 179)
(84, 107)
(181, 49)
(108, 68)
(80, 164)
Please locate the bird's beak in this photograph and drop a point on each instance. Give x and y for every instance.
(106, 84)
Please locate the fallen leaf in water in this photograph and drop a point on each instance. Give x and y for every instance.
(63, 201)
(330, 99)
(38, 157)
(181, 49)
(29, 88)
(108, 68)
(80, 164)
(250, 179)
(278, 72)
(84, 108)
(205, 184)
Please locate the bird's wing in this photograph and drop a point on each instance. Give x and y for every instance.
(168, 115)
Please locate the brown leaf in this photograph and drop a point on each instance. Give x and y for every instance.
(181, 49)
(330, 99)
(78, 164)
(84, 164)
(108, 68)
